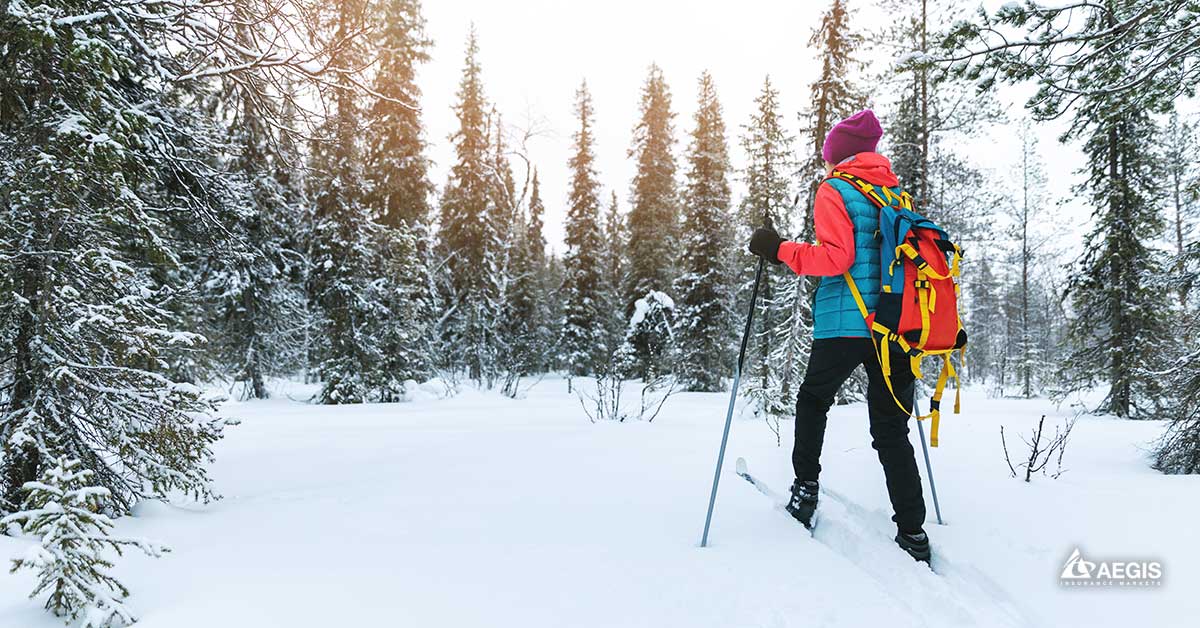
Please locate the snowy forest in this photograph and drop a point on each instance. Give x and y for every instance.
(200, 197)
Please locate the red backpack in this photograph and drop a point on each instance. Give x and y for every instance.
(918, 305)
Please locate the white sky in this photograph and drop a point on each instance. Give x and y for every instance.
(534, 53)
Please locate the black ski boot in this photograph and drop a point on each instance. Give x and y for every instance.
(917, 545)
(803, 504)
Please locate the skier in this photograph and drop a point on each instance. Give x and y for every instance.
(846, 232)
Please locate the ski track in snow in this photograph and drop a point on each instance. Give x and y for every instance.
(864, 537)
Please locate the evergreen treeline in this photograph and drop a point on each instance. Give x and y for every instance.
(184, 200)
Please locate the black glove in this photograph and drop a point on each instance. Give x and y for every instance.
(765, 244)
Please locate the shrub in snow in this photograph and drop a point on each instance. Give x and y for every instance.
(66, 511)
(1179, 449)
(605, 403)
(1043, 449)
(649, 346)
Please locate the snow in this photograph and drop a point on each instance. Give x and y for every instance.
(642, 307)
(478, 510)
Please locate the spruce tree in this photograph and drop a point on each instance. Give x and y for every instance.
(399, 189)
(1178, 450)
(254, 285)
(397, 168)
(98, 162)
(582, 340)
(68, 512)
(653, 220)
(527, 325)
(1115, 304)
(467, 232)
(614, 268)
(703, 317)
(1032, 180)
(833, 95)
(1178, 154)
(358, 310)
(767, 176)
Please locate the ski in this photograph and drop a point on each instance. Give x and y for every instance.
(780, 501)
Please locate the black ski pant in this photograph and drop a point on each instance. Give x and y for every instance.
(829, 366)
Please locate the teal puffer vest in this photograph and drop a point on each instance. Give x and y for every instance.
(835, 313)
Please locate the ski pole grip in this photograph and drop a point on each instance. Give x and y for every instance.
(767, 221)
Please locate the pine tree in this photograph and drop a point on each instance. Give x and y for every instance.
(703, 316)
(97, 162)
(397, 173)
(984, 312)
(1178, 451)
(66, 510)
(653, 220)
(1116, 307)
(254, 287)
(833, 94)
(397, 168)
(1032, 183)
(1179, 160)
(358, 309)
(528, 326)
(468, 232)
(582, 341)
(614, 265)
(934, 106)
(771, 163)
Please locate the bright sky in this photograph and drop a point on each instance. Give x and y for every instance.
(534, 53)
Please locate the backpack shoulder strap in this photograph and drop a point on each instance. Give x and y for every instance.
(888, 198)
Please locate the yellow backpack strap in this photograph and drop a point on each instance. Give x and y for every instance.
(862, 306)
(883, 350)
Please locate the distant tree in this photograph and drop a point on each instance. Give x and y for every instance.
(703, 314)
(526, 329)
(397, 167)
(254, 284)
(653, 220)
(468, 233)
(984, 317)
(768, 174)
(1180, 161)
(833, 95)
(582, 343)
(1032, 190)
(615, 273)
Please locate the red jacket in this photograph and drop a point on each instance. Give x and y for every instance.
(833, 252)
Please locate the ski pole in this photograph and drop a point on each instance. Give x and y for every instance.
(928, 467)
(737, 378)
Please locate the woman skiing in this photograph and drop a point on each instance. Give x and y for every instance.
(847, 225)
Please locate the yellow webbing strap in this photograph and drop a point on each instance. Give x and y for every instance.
(866, 188)
(862, 306)
(923, 300)
(883, 350)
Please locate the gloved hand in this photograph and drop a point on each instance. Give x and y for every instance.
(765, 244)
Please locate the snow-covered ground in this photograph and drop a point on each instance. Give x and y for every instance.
(484, 511)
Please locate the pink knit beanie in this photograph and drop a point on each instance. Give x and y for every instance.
(859, 133)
